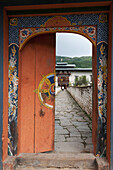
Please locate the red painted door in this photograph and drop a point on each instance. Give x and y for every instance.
(36, 95)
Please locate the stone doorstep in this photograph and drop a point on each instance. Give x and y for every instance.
(102, 163)
(10, 163)
(54, 160)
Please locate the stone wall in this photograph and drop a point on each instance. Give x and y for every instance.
(83, 96)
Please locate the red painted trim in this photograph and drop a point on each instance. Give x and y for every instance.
(109, 86)
(95, 99)
(54, 14)
(5, 87)
(67, 5)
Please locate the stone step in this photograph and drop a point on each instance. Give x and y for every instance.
(55, 161)
(32, 168)
(52, 161)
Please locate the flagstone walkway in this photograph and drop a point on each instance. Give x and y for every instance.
(73, 128)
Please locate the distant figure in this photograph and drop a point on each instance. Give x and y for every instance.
(62, 87)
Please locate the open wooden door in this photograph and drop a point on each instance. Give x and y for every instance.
(45, 68)
(37, 95)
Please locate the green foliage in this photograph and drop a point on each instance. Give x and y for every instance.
(80, 62)
(84, 81)
(80, 81)
(70, 84)
(76, 80)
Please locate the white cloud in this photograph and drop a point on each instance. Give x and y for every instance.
(72, 45)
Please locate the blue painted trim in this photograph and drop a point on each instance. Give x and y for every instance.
(1, 82)
(111, 161)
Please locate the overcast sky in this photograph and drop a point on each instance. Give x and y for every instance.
(72, 45)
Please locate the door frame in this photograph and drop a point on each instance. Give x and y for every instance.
(94, 73)
(5, 66)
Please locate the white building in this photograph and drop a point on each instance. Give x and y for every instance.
(78, 72)
(63, 69)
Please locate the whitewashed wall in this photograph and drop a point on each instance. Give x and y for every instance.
(57, 89)
(83, 96)
(78, 73)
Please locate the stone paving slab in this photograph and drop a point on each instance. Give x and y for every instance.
(60, 138)
(62, 132)
(89, 140)
(74, 139)
(69, 147)
(75, 134)
(72, 126)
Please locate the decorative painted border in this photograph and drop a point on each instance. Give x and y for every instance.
(13, 98)
(102, 56)
(27, 33)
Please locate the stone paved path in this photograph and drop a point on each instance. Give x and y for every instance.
(72, 126)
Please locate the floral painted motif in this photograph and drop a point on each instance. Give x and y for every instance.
(103, 18)
(12, 99)
(88, 31)
(102, 49)
(13, 21)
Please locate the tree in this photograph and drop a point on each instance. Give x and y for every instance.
(81, 80)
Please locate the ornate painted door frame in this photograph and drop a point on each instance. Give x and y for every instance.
(5, 68)
(26, 34)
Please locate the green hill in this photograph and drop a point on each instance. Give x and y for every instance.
(80, 62)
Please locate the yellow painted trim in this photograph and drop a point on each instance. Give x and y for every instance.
(39, 88)
(46, 32)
